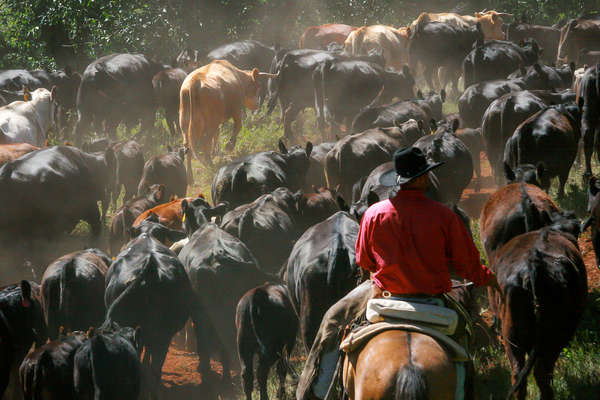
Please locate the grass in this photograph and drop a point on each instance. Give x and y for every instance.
(577, 373)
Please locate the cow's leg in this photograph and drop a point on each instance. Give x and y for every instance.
(289, 116)
(83, 124)
(110, 127)
(477, 165)
(265, 361)
(562, 182)
(588, 122)
(237, 126)
(188, 167)
(516, 358)
(428, 73)
(281, 373)
(246, 350)
(6, 360)
(92, 217)
(543, 369)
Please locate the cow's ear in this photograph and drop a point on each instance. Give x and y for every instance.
(134, 231)
(282, 148)
(509, 173)
(219, 210)
(372, 198)
(337, 188)
(255, 73)
(308, 150)
(26, 93)
(342, 203)
(443, 95)
(25, 294)
(160, 193)
(537, 68)
(592, 188)
(455, 124)
(53, 93)
(432, 124)
(110, 159)
(152, 217)
(540, 170)
(184, 209)
(572, 67)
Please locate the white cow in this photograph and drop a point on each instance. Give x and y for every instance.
(28, 121)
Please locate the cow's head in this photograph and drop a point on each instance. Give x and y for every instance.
(152, 226)
(436, 103)
(255, 81)
(298, 161)
(400, 84)
(491, 24)
(156, 193)
(24, 314)
(198, 212)
(528, 173)
(358, 208)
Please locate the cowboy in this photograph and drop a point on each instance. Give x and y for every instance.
(409, 244)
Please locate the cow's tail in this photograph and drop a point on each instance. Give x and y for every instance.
(191, 119)
(338, 265)
(37, 387)
(536, 272)
(259, 299)
(98, 353)
(505, 114)
(529, 209)
(245, 222)
(67, 276)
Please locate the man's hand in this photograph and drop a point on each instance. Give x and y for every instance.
(493, 283)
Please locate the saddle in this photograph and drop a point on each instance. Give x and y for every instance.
(392, 314)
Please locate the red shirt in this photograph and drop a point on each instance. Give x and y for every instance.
(410, 242)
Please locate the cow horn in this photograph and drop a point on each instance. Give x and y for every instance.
(505, 15)
(267, 75)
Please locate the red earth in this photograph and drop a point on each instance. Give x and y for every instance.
(180, 379)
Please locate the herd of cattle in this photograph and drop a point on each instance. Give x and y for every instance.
(282, 216)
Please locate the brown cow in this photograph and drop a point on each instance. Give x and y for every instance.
(169, 214)
(318, 37)
(210, 96)
(392, 42)
(12, 151)
(491, 22)
(576, 35)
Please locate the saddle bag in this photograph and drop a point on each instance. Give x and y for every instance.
(439, 318)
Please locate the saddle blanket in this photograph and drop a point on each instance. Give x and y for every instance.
(362, 335)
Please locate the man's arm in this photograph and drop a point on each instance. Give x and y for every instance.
(364, 255)
(464, 256)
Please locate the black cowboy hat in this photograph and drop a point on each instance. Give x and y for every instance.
(410, 163)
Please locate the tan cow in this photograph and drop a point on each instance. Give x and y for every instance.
(491, 22)
(318, 37)
(10, 152)
(210, 96)
(392, 42)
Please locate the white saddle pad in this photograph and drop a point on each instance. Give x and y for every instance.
(440, 318)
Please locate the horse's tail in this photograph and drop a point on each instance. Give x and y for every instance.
(411, 383)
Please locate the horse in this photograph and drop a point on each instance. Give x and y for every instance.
(399, 364)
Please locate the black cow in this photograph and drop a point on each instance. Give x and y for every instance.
(168, 170)
(550, 137)
(528, 173)
(112, 84)
(560, 77)
(147, 286)
(476, 98)
(124, 217)
(503, 116)
(438, 44)
(47, 372)
(66, 82)
(315, 176)
(130, 164)
(588, 100)
(166, 86)
(244, 180)
(421, 110)
(21, 325)
(547, 37)
(246, 54)
(293, 87)
(543, 279)
(593, 208)
(107, 366)
(474, 142)
(496, 59)
(48, 191)
(321, 269)
(221, 270)
(72, 291)
(355, 155)
(343, 88)
(457, 171)
(267, 326)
